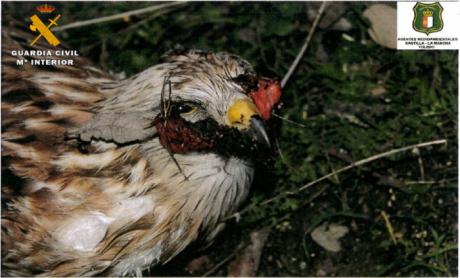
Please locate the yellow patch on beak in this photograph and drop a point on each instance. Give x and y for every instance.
(240, 113)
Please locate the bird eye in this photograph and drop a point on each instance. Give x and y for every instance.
(184, 108)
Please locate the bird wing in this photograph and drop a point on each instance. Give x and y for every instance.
(59, 193)
(39, 103)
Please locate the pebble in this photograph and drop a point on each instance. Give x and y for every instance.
(321, 272)
(303, 265)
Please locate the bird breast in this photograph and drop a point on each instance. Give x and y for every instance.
(196, 193)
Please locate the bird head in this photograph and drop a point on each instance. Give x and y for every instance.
(193, 101)
(212, 100)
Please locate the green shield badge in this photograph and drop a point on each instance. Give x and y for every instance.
(428, 18)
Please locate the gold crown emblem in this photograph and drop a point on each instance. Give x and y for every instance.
(45, 8)
(427, 12)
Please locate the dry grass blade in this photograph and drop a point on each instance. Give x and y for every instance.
(299, 57)
(287, 120)
(373, 158)
(389, 227)
(304, 47)
(118, 16)
(346, 168)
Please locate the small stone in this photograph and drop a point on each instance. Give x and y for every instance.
(327, 236)
(321, 273)
(303, 265)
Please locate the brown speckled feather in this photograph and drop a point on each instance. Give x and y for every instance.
(35, 115)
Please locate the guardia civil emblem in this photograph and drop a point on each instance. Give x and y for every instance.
(42, 28)
(428, 18)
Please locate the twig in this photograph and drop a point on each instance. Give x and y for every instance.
(287, 120)
(280, 152)
(430, 182)
(87, 48)
(420, 164)
(146, 19)
(372, 158)
(224, 261)
(352, 165)
(305, 45)
(389, 226)
(384, 180)
(219, 265)
(165, 113)
(117, 16)
(299, 57)
(328, 158)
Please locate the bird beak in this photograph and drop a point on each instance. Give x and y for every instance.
(240, 113)
(243, 115)
(258, 133)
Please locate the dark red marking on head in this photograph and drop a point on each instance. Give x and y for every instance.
(267, 95)
(178, 136)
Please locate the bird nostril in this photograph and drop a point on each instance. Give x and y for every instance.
(238, 121)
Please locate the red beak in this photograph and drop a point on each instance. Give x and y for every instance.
(267, 95)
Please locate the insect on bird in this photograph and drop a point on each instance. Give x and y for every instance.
(109, 177)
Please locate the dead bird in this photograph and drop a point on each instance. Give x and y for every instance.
(108, 177)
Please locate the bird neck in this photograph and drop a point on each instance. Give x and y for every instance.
(209, 186)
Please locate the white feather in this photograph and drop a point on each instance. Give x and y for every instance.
(85, 232)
